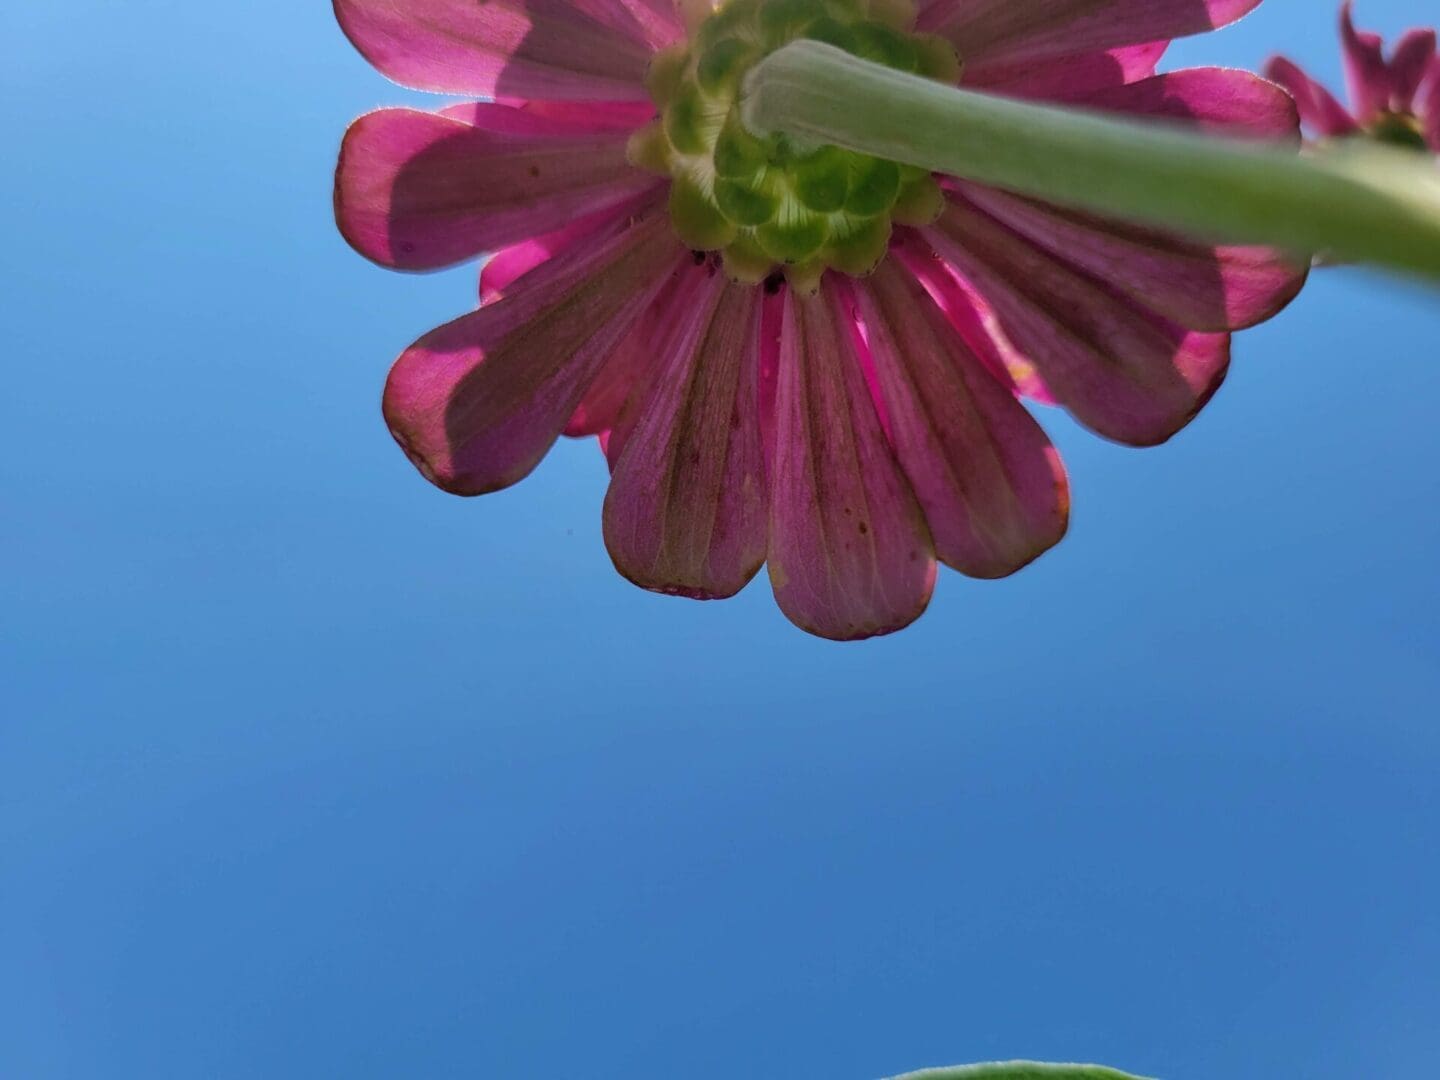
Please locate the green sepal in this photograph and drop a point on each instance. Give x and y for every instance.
(685, 121)
(784, 20)
(722, 66)
(794, 236)
(937, 58)
(822, 180)
(746, 262)
(860, 251)
(878, 42)
(727, 21)
(920, 202)
(738, 154)
(874, 184)
(831, 32)
(745, 204)
(696, 220)
(665, 74)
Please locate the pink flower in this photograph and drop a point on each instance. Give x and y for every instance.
(1394, 100)
(809, 359)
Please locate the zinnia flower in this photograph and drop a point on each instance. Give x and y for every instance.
(1394, 100)
(790, 354)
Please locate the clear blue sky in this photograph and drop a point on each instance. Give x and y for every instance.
(308, 770)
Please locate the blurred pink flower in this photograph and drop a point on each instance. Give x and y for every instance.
(849, 428)
(1395, 100)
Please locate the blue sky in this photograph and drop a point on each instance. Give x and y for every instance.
(309, 770)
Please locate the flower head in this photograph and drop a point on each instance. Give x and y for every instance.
(791, 354)
(1394, 99)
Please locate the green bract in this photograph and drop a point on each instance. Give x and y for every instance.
(774, 201)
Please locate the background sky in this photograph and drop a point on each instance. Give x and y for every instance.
(309, 770)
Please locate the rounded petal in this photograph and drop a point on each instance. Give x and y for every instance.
(418, 191)
(546, 49)
(972, 317)
(510, 264)
(519, 117)
(1225, 101)
(1366, 72)
(686, 509)
(991, 485)
(1074, 76)
(1215, 289)
(1319, 110)
(1414, 53)
(989, 32)
(614, 399)
(1124, 371)
(1430, 107)
(477, 403)
(850, 554)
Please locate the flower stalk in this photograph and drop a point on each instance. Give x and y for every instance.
(1355, 203)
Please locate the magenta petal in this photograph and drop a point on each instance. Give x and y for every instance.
(1123, 371)
(1319, 110)
(1011, 31)
(416, 190)
(1366, 72)
(552, 117)
(623, 376)
(618, 395)
(991, 485)
(477, 403)
(614, 399)
(686, 510)
(544, 49)
(510, 264)
(1429, 108)
(1068, 77)
(850, 554)
(1202, 288)
(1222, 100)
(972, 317)
(1414, 53)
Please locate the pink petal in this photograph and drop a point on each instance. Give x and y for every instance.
(686, 510)
(622, 377)
(1366, 72)
(552, 117)
(1319, 110)
(510, 264)
(1222, 100)
(1429, 108)
(971, 316)
(991, 485)
(519, 48)
(1413, 55)
(772, 322)
(1200, 287)
(617, 398)
(1011, 31)
(477, 403)
(850, 555)
(1123, 371)
(417, 191)
(1072, 76)
(614, 398)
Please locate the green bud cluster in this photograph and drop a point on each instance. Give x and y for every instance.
(774, 202)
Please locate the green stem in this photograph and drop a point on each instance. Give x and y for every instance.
(1359, 204)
